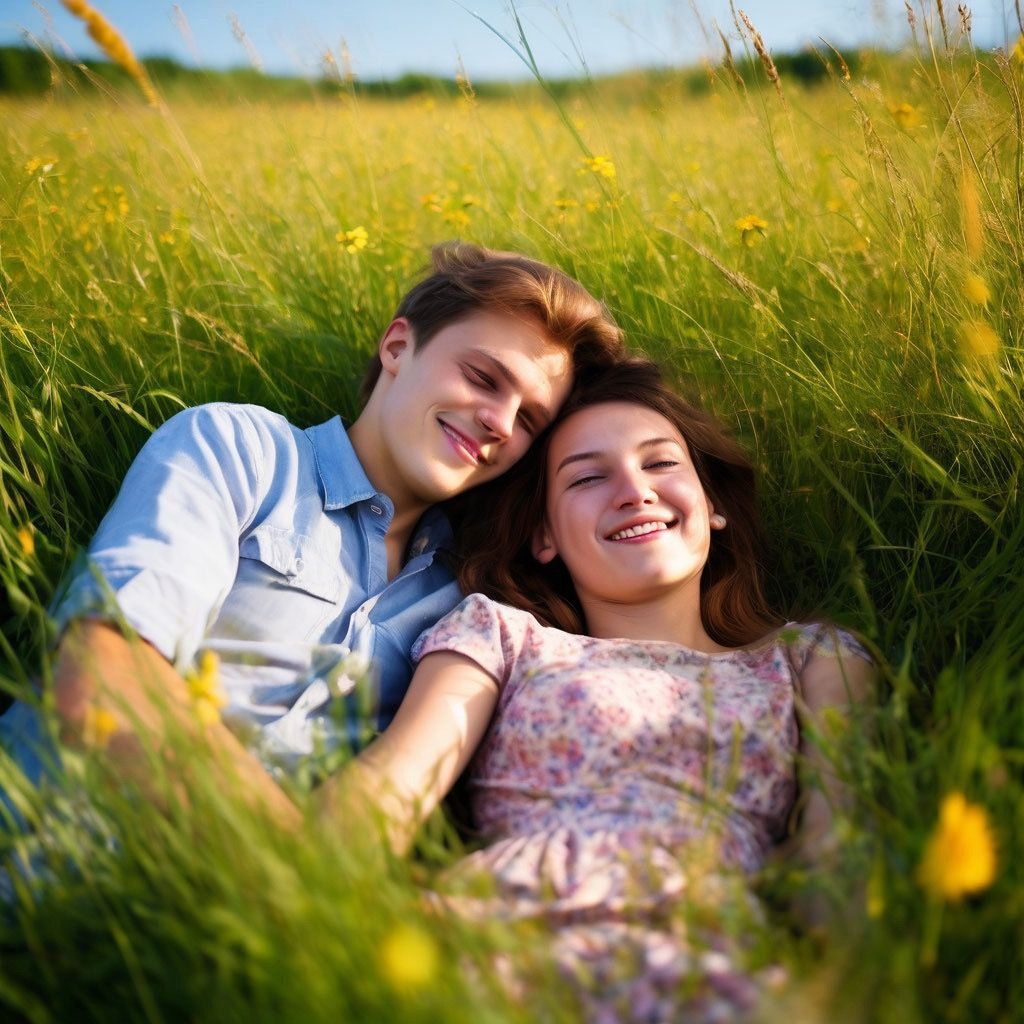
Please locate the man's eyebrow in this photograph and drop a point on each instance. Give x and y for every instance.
(651, 442)
(540, 414)
(498, 365)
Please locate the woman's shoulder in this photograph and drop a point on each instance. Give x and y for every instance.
(481, 608)
(821, 639)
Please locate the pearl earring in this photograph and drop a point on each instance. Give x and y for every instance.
(717, 521)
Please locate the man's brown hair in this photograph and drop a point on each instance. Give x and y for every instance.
(468, 279)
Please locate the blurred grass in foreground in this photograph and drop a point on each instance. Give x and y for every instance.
(835, 272)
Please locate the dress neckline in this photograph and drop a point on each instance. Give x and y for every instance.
(765, 643)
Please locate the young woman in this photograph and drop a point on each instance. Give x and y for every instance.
(630, 700)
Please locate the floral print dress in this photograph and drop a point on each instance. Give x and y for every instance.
(628, 788)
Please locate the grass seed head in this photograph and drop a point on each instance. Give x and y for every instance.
(979, 340)
(970, 213)
(113, 44)
(762, 51)
(976, 290)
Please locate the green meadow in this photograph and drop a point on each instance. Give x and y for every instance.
(833, 270)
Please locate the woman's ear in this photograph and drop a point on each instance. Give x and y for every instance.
(715, 519)
(397, 342)
(543, 547)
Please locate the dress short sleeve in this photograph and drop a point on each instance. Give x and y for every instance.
(823, 640)
(482, 630)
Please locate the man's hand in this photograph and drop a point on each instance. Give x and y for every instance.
(130, 693)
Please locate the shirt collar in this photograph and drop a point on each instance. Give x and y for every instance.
(344, 482)
(342, 477)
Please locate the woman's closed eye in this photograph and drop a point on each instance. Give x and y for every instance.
(583, 480)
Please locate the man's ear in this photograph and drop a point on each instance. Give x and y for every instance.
(542, 547)
(398, 342)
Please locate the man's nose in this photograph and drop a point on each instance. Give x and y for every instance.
(498, 419)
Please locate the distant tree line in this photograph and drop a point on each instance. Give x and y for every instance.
(25, 71)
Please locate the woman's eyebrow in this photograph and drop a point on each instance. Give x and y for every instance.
(651, 442)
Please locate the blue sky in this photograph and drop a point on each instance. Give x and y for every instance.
(387, 37)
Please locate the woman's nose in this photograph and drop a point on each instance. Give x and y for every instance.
(634, 489)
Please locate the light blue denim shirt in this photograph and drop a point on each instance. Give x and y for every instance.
(236, 532)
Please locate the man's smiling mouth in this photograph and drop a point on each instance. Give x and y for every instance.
(464, 445)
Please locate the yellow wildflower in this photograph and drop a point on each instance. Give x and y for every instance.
(752, 229)
(457, 218)
(566, 203)
(408, 958)
(112, 43)
(167, 237)
(960, 856)
(1017, 53)
(42, 164)
(976, 290)
(353, 240)
(205, 690)
(599, 165)
(906, 116)
(978, 339)
(99, 725)
(27, 541)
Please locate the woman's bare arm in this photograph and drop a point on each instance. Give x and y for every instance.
(830, 689)
(403, 775)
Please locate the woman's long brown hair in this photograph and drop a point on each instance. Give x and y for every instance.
(497, 522)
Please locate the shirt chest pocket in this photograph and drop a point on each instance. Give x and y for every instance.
(287, 588)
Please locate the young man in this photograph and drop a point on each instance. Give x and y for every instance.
(285, 551)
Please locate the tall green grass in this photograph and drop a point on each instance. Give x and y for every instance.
(150, 261)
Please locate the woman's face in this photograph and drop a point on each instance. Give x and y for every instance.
(625, 510)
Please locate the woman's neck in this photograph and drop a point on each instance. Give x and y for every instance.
(673, 616)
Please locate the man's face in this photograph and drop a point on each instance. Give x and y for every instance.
(463, 408)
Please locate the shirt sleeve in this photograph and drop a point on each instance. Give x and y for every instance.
(166, 553)
(479, 629)
(823, 640)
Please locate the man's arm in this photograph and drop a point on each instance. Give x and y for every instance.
(97, 667)
(410, 768)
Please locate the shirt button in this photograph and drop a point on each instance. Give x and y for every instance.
(376, 510)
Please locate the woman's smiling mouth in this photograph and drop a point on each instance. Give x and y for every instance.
(642, 531)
